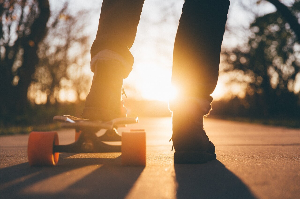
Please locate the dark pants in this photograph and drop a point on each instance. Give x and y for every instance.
(197, 45)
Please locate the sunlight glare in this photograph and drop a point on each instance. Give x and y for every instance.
(173, 92)
(152, 82)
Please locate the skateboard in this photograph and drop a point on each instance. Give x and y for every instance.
(44, 148)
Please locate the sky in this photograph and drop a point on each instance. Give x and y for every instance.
(151, 75)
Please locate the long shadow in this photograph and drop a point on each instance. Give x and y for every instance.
(107, 180)
(210, 180)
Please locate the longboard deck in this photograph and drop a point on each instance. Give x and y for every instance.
(80, 123)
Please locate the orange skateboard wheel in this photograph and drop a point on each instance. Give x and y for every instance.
(40, 148)
(134, 148)
(77, 134)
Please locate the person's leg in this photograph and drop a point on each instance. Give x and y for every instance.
(111, 59)
(196, 60)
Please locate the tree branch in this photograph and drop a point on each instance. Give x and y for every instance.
(288, 16)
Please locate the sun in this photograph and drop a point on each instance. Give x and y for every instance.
(161, 92)
(153, 82)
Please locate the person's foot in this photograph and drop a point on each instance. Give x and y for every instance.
(191, 144)
(104, 99)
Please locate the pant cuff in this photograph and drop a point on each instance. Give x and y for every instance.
(109, 55)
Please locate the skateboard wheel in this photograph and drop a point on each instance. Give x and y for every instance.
(134, 148)
(77, 134)
(40, 149)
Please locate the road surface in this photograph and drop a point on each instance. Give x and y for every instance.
(253, 161)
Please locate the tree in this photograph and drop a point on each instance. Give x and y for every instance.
(23, 28)
(40, 55)
(62, 55)
(271, 63)
(288, 15)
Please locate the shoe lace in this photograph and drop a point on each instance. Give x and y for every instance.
(172, 144)
(123, 92)
(122, 100)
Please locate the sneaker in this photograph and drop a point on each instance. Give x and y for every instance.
(191, 144)
(104, 100)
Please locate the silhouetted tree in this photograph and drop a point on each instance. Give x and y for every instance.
(23, 27)
(62, 55)
(40, 55)
(270, 62)
(288, 15)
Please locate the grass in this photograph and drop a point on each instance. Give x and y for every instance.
(36, 118)
(278, 122)
(17, 130)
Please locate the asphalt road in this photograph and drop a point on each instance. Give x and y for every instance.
(253, 161)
